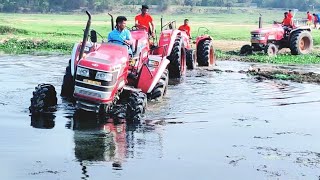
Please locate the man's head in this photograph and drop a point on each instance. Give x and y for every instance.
(121, 22)
(314, 14)
(186, 21)
(285, 14)
(308, 12)
(144, 9)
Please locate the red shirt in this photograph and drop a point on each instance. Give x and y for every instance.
(287, 21)
(290, 16)
(144, 20)
(309, 17)
(185, 28)
(315, 19)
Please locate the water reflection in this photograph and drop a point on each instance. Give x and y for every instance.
(43, 121)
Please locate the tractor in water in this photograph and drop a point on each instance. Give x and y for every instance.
(271, 40)
(203, 54)
(106, 79)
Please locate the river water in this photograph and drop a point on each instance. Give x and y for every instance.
(209, 126)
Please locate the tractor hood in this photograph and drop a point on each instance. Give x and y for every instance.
(108, 57)
(270, 30)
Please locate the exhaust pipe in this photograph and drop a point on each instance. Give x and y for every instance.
(161, 23)
(112, 22)
(85, 35)
(260, 21)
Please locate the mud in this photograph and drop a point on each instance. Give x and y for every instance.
(213, 124)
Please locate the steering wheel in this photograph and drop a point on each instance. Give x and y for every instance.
(137, 27)
(123, 43)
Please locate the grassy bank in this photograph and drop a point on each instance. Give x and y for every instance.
(21, 33)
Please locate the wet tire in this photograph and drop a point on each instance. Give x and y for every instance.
(136, 105)
(190, 59)
(301, 42)
(246, 50)
(67, 87)
(161, 87)
(205, 53)
(271, 49)
(177, 58)
(44, 99)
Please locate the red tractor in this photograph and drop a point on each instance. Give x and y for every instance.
(104, 78)
(203, 55)
(271, 40)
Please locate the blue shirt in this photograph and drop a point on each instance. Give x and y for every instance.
(120, 37)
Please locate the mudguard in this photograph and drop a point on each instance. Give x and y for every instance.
(167, 38)
(149, 76)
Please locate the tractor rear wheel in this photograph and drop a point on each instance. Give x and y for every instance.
(271, 49)
(205, 53)
(190, 58)
(67, 87)
(301, 42)
(246, 50)
(177, 59)
(44, 99)
(136, 106)
(161, 87)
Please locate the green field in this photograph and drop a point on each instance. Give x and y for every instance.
(20, 33)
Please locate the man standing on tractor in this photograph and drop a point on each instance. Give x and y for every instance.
(315, 20)
(309, 18)
(121, 35)
(290, 16)
(185, 27)
(144, 20)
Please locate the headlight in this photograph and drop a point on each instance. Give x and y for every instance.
(104, 76)
(82, 72)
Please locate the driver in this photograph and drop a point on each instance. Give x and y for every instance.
(145, 20)
(121, 35)
(185, 27)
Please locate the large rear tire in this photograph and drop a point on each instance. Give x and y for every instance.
(301, 42)
(177, 59)
(44, 99)
(190, 59)
(137, 103)
(67, 87)
(205, 53)
(161, 87)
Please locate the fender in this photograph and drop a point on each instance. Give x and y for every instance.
(164, 36)
(148, 79)
(202, 38)
(173, 38)
(163, 65)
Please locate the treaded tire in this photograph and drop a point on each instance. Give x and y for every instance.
(67, 87)
(190, 58)
(301, 42)
(161, 87)
(204, 50)
(44, 99)
(137, 103)
(246, 50)
(271, 49)
(175, 57)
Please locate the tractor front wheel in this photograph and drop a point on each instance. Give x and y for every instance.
(271, 49)
(44, 99)
(246, 50)
(67, 87)
(205, 53)
(190, 58)
(161, 87)
(136, 106)
(301, 42)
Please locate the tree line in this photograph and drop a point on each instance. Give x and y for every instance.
(50, 6)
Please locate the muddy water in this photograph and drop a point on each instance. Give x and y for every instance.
(210, 126)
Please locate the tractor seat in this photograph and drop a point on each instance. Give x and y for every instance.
(140, 40)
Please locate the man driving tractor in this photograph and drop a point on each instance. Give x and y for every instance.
(121, 35)
(185, 27)
(144, 20)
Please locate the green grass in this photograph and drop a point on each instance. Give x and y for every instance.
(60, 31)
